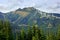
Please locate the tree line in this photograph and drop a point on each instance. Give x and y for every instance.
(32, 33)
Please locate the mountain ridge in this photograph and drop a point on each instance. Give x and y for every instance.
(30, 16)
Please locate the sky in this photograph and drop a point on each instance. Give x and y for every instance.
(51, 6)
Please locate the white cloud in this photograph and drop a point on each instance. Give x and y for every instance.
(43, 5)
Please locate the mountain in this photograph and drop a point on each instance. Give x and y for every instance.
(29, 16)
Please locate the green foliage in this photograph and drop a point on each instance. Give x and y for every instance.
(50, 36)
(17, 36)
(29, 33)
(58, 33)
(32, 33)
(5, 31)
(33, 38)
(22, 35)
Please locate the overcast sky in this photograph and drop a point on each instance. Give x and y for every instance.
(43, 5)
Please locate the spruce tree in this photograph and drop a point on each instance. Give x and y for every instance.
(29, 33)
(22, 34)
(5, 31)
(50, 36)
(17, 36)
(8, 31)
(36, 32)
(41, 34)
(2, 35)
(58, 33)
(33, 38)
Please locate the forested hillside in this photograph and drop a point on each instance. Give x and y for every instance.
(32, 33)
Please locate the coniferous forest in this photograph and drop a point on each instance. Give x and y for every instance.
(32, 33)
